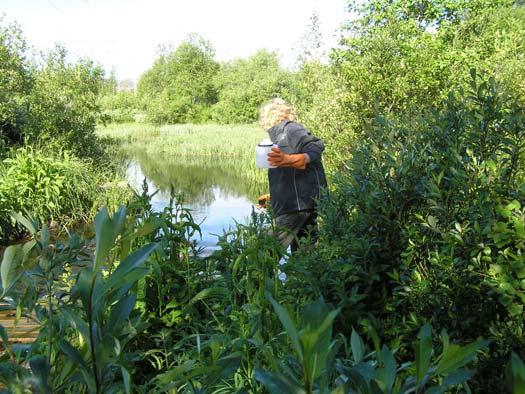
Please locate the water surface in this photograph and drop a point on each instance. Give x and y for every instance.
(219, 191)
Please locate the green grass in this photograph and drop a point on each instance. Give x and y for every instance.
(188, 139)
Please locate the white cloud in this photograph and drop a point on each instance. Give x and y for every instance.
(125, 34)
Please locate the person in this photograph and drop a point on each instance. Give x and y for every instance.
(298, 178)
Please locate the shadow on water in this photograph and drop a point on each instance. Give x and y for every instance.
(219, 191)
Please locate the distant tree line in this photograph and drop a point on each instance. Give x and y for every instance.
(187, 85)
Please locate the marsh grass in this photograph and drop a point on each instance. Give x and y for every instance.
(188, 139)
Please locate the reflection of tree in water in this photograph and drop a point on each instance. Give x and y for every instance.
(197, 177)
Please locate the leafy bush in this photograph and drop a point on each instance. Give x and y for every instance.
(15, 82)
(427, 226)
(318, 366)
(397, 57)
(119, 107)
(50, 187)
(245, 84)
(63, 107)
(83, 336)
(179, 87)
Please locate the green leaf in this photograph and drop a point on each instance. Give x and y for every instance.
(432, 221)
(27, 250)
(131, 262)
(358, 347)
(423, 352)
(72, 318)
(104, 235)
(174, 374)
(30, 225)
(515, 374)
(10, 268)
(454, 379)
(206, 293)
(455, 356)
(288, 325)
(73, 354)
(277, 383)
(386, 375)
(127, 379)
(82, 288)
(106, 231)
(120, 312)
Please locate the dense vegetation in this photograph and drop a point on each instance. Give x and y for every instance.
(422, 111)
(51, 161)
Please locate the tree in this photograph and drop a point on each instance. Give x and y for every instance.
(15, 81)
(179, 87)
(63, 104)
(245, 84)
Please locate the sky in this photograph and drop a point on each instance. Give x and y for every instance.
(124, 35)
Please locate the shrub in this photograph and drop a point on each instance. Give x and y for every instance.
(51, 187)
(119, 107)
(15, 82)
(63, 106)
(245, 84)
(179, 86)
(427, 225)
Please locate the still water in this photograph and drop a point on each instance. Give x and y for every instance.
(219, 192)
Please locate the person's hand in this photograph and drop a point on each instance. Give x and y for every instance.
(278, 158)
(262, 201)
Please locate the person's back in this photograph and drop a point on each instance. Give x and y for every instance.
(297, 181)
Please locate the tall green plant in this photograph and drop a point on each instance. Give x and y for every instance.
(318, 370)
(85, 326)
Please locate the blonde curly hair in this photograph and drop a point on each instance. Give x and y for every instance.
(274, 112)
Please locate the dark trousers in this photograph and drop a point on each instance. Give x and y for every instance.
(291, 227)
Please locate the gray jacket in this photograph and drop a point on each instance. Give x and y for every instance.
(295, 190)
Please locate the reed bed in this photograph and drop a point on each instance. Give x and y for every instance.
(188, 139)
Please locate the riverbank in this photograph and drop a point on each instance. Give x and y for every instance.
(189, 156)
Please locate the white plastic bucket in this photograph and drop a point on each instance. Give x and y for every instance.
(261, 153)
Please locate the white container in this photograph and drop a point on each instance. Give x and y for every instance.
(261, 153)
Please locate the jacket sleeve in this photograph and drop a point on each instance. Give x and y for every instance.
(301, 140)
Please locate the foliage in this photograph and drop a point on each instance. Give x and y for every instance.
(63, 105)
(15, 82)
(427, 13)
(317, 365)
(141, 312)
(245, 84)
(397, 57)
(426, 225)
(83, 303)
(179, 88)
(516, 375)
(52, 187)
(119, 107)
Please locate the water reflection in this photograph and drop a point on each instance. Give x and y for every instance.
(219, 192)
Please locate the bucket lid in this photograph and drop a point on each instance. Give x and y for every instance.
(265, 143)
